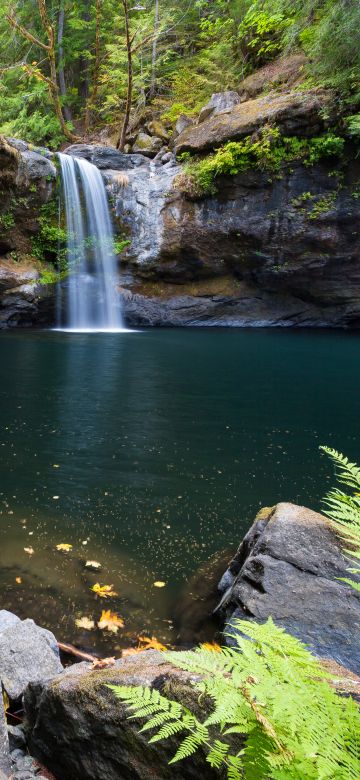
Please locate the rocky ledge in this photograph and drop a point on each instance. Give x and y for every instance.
(27, 183)
(289, 566)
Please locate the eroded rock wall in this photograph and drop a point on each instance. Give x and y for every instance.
(27, 183)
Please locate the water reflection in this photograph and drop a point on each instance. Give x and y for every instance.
(150, 452)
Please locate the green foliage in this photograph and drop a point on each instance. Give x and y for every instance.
(344, 508)
(25, 110)
(120, 245)
(273, 713)
(261, 34)
(49, 244)
(7, 221)
(269, 153)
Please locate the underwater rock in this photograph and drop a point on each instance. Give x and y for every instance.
(288, 567)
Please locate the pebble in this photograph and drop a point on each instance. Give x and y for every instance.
(17, 753)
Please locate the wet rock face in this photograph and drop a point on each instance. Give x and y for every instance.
(288, 567)
(283, 252)
(78, 729)
(295, 113)
(27, 183)
(105, 157)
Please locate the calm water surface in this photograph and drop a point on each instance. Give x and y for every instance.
(150, 452)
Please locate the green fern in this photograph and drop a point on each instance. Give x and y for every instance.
(344, 508)
(274, 714)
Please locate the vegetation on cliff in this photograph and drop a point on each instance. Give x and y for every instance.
(71, 69)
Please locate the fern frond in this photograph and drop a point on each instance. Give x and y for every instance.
(347, 473)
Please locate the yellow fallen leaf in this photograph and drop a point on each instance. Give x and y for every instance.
(29, 550)
(104, 591)
(64, 547)
(85, 622)
(110, 621)
(92, 564)
(151, 644)
(159, 584)
(212, 646)
(18, 580)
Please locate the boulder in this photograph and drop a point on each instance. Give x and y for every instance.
(27, 653)
(78, 729)
(182, 123)
(146, 144)
(219, 103)
(295, 113)
(286, 71)
(157, 128)
(105, 157)
(9, 162)
(5, 763)
(289, 566)
(37, 166)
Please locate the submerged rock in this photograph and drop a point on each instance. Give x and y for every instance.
(27, 653)
(79, 730)
(289, 566)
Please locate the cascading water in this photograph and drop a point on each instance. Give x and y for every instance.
(91, 301)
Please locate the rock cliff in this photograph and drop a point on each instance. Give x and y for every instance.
(27, 182)
(268, 249)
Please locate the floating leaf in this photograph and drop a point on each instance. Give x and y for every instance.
(110, 621)
(92, 564)
(103, 663)
(151, 644)
(104, 591)
(85, 622)
(212, 646)
(159, 584)
(18, 580)
(29, 550)
(64, 547)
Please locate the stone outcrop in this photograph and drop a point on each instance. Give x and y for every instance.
(278, 252)
(283, 73)
(220, 103)
(27, 183)
(295, 113)
(27, 653)
(78, 729)
(289, 566)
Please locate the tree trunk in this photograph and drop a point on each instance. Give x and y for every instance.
(90, 103)
(154, 51)
(62, 83)
(122, 137)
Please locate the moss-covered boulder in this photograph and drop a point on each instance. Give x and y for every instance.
(80, 731)
(295, 113)
(283, 73)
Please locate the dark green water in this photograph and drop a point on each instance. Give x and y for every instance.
(160, 446)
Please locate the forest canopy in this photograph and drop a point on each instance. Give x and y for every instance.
(65, 66)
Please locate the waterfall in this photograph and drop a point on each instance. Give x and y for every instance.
(91, 301)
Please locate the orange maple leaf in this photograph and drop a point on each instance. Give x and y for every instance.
(212, 646)
(110, 621)
(104, 591)
(151, 643)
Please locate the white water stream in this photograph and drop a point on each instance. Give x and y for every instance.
(89, 301)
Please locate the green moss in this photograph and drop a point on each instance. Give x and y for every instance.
(269, 153)
(7, 221)
(323, 205)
